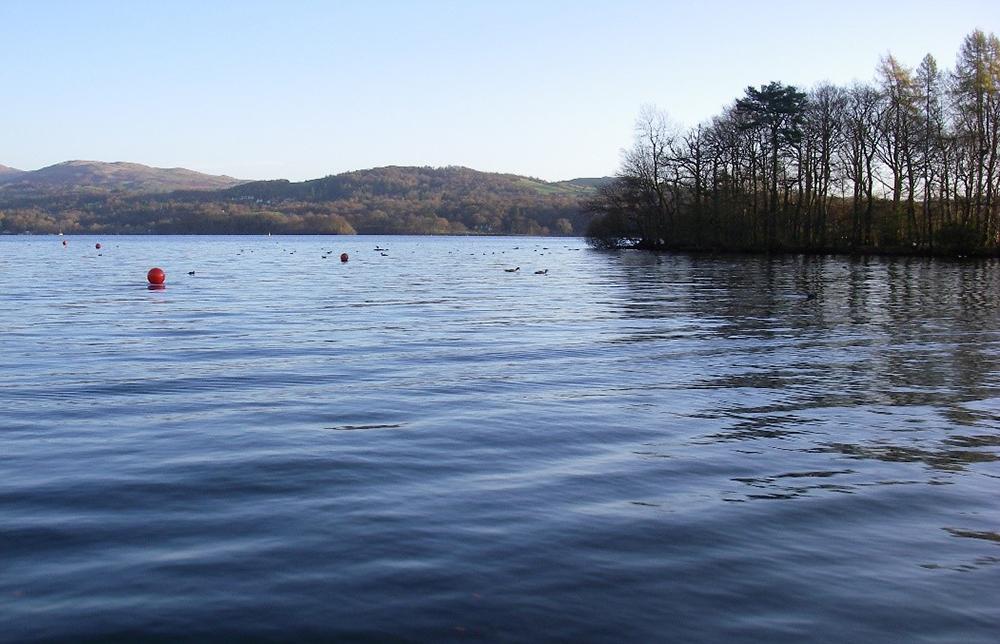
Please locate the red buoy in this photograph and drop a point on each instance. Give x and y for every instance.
(156, 276)
(64, 242)
(343, 257)
(97, 246)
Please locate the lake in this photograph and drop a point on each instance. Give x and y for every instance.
(422, 446)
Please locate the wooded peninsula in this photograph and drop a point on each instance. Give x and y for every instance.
(908, 163)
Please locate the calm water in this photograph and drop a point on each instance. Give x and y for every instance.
(422, 446)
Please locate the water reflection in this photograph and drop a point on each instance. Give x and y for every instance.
(941, 458)
(791, 485)
(973, 534)
(878, 359)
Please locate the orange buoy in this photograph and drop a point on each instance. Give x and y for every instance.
(343, 257)
(156, 276)
(97, 246)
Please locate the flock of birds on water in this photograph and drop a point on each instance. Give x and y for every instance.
(384, 252)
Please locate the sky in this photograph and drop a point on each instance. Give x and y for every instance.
(298, 90)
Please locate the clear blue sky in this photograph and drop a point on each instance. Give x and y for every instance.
(303, 89)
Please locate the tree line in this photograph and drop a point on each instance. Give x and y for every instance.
(907, 163)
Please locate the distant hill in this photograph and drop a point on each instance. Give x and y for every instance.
(129, 198)
(97, 176)
(409, 182)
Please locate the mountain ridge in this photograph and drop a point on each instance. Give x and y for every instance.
(396, 179)
(124, 176)
(128, 176)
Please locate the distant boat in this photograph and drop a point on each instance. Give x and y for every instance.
(379, 248)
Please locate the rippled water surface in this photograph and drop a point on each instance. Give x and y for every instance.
(420, 446)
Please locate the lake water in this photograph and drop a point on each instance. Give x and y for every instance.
(421, 446)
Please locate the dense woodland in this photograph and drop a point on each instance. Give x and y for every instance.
(390, 200)
(908, 163)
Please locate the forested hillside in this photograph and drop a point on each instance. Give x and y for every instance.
(390, 200)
